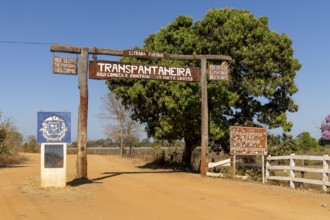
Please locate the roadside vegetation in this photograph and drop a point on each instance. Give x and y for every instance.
(10, 143)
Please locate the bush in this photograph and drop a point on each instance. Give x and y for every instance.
(279, 145)
(31, 146)
(10, 139)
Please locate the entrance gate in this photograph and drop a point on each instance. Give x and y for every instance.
(83, 87)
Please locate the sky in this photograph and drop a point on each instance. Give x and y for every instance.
(27, 84)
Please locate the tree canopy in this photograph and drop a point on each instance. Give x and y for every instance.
(259, 92)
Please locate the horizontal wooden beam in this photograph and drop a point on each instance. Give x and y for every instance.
(297, 157)
(112, 52)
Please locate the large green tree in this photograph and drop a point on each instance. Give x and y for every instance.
(259, 92)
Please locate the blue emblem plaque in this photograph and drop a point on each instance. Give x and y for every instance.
(54, 127)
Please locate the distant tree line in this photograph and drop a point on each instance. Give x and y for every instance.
(286, 144)
(146, 142)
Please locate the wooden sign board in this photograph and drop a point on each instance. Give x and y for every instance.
(145, 54)
(64, 65)
(219, 72)
(99, 69)
(248, 141)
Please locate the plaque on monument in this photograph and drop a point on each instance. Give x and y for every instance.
(54, 156)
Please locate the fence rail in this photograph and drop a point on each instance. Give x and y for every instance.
(292, 168)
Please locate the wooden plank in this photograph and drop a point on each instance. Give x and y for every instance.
(318, 158)
(220, 163)
(114, 52)
(310, 181)
(284, 178)
(297, 157)
(311, 170)
(198, 57)
(278, 157)
(214, 174)
(278, 167)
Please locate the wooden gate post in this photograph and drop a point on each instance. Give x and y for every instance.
(83, 107)
(82, 115)
(204, 117)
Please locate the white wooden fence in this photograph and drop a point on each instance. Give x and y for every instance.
(230, 163)
(292, 168)
(223, 163)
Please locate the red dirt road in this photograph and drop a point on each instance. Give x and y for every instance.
(121, 190)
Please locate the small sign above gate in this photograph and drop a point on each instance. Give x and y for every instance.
(219, 72)
(145, 54)
(65, 65)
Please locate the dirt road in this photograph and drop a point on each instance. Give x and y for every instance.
(122, 189)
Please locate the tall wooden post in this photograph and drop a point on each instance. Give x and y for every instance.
(204, 117)
(82, 115)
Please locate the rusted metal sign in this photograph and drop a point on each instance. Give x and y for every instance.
(145, 54)
(219, 72)
(64, 65)
(110, 69)
(248, 141)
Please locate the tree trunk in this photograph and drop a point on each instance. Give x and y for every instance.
(121, 138)
(189, 148)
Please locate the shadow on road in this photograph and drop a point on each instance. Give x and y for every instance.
(80, 181)
(84, 181)
(113, 174)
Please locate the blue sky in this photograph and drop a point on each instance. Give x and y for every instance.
(27, 84)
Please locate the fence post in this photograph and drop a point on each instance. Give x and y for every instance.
(292, 174)
(263, 168)
(234, 166)
(325, 173)
(302, 173)
(267, 165)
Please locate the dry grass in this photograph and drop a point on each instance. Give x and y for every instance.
(70, 193)
(12, 160)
